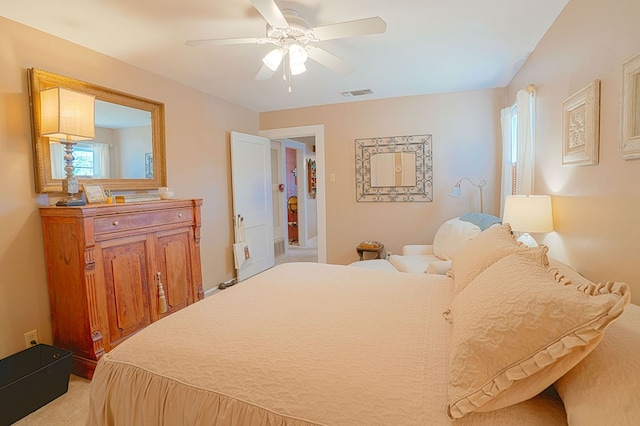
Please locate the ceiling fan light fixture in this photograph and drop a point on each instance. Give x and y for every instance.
(273, 59)
(296, 68)
(297, 54)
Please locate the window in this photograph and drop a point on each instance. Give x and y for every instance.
(83, 159)
(514, 149)
(518, 145)
(90, 160)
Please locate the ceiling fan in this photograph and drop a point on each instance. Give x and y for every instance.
(294, 39)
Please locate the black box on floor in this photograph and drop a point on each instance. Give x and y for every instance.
(30, 379)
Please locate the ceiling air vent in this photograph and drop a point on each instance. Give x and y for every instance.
(352, 93)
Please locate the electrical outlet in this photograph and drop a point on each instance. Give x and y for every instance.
(31, 338)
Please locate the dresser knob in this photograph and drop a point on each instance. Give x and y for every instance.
(179, 214)
(116, 223)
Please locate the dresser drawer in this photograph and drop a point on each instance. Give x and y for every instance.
(122, 222)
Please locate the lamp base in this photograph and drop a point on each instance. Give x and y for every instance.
(527, 240)
(70, 202)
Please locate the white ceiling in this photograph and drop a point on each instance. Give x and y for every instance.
(430, 46)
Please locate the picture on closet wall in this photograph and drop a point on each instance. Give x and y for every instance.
(630, 132)
(581, 127)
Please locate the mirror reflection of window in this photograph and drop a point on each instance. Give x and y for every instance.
(90, 160)
(393, 169)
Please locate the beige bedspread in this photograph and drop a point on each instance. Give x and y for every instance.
(299, 344)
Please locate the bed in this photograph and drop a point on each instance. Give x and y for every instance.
(316, 344)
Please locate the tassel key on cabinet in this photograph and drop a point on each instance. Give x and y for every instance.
(162, 300)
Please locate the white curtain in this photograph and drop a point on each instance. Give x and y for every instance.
(524, 168)
(524, 109)
(101, 164)
(56, 152)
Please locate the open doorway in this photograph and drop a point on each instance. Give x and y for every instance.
(306, 203)
(295, 197)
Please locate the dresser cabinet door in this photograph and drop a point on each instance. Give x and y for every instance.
(126, 285)
(174, 262)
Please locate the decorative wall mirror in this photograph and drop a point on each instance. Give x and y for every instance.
(630, 137)
(128, 152)
(397, 168)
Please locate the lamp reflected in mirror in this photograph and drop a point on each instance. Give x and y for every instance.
(68, 117)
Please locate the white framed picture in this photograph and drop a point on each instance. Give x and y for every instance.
(630, 130)
(581, 127)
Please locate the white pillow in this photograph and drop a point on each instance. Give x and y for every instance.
(452, 236)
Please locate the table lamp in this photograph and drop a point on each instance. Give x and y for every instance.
(67, 116)
(528, 213)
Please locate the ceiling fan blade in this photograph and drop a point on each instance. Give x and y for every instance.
(226, 41)
(358, 27)
(271, 13)
(330, 61)
(265, 73)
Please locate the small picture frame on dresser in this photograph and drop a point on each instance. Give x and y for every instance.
(94, 193)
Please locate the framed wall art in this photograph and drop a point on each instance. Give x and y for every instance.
(397, 168)
(630, 114)
(581, 127)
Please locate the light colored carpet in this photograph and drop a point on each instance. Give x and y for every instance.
(299, 254)
(70, 409)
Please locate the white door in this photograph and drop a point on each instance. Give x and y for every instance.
(252, 199)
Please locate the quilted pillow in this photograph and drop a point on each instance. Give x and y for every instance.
(604, 388)
(452, 236)
(486, 249)
(517, 328)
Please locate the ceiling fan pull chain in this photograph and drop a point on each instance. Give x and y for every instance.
(287, 66)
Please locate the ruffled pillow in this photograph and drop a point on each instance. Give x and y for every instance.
(517, 328)
(484, 250)
(604, 388)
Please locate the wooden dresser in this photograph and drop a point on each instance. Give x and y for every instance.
(104, 266)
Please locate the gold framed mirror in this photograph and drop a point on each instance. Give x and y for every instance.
(128, 152)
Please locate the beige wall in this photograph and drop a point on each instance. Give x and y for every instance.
(596, 208)
(197, 127)
(466, 141)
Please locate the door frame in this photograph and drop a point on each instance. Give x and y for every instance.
(318, 132)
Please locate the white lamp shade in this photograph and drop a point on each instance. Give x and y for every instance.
(456, 192)
(273, 59)
(297, 68)
(297, 54)
(528, 213)
(66, 114)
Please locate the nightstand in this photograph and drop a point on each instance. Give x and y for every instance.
(370, 247)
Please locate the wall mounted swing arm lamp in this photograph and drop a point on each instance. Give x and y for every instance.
(457, 190)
